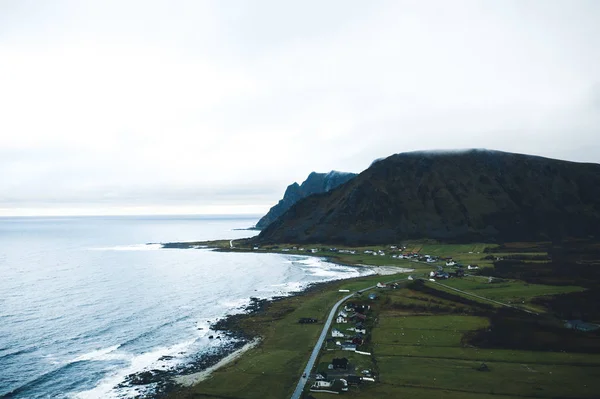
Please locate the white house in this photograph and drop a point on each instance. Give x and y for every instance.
(340, 320)
(343, 313)
(360, 330)
(381, 285)
(336, 333)
(321, 384)
(348, 347)
(472, 267)
(450, 263)
(430, 260)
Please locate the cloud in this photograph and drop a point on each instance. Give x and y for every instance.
(161, 103)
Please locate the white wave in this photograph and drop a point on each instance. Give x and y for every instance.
(99, 354)
(235, 303)
(292, 286)
(319, 267)
(106, 388)
(133, 247)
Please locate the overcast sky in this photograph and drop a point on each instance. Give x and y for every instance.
(215, 107)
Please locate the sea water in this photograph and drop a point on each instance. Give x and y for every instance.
(87, 301)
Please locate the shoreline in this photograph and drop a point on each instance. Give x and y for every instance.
(232, 325)
(187, 380)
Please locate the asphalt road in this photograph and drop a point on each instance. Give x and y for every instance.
(302, 382)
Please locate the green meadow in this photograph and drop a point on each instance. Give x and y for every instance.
(424, 340)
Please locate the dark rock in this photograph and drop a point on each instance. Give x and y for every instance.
(315, 183)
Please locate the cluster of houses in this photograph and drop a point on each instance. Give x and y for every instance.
(374, 253)
(333, 386)
(417, 257)
(353, 336)
(459, 270)
(384, 285)
(340, 367)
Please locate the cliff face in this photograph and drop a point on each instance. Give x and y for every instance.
(315, 183)
(474, 195)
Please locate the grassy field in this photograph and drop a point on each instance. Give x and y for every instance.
(421, 339)
(509, 291)
(424, 353)
(272, 369)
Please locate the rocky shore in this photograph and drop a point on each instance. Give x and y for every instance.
(158, 383)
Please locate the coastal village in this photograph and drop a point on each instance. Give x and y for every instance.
(395, 252)
(426, 328)
(346, 359)
(348, 335)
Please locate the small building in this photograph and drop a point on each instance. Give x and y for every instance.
(340, 363)
(341, 320)
(348, 346)
(321, 384)
(381, 285)
(336, 333)
(360, 330)
(372, 296)
(450, 263)
(343, 313)
(353, 379)
(472, 267)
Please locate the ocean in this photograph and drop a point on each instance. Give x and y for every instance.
(87, 301)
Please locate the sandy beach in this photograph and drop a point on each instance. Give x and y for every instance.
(389, 270)
(191, 379)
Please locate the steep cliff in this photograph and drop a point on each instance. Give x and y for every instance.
(474, 195)
(315, 183)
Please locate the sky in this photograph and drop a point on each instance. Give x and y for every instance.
(144, 106)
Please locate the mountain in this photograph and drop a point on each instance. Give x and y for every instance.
(467, 196)
(315, 183)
